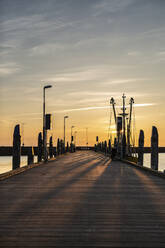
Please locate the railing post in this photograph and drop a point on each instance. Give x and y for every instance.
(51, 147)
(55, 151)
(105, 147)
(61, 147)
(67, 148)
(141, 148)
(16, 148)
(39, 147)
(154, 149)
(31, 156)
(102, 146)
(109, 147)
(58, 147)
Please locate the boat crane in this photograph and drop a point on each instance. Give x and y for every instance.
(129, 124)
(123, 144)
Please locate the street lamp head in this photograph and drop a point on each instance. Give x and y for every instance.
(47, 86)
(66, 116)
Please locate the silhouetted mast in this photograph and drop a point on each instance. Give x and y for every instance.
(120, 122)
(112, 101)
(129, 124)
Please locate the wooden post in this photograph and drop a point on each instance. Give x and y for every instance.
(141, 148)
(109, 147)
(39, 147)
(55, 151)
(102, 146)
(105, 147)
(67, 148)
(51, 147)
(58, 147)
(154, 149)
(61, 147)
(31, 155)
(16, 148)
(115, 143)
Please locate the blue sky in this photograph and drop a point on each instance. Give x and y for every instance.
(89, 51)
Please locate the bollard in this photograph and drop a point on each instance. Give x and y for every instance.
(105, 147)
(30, 156)
(61, 147)
(154, 149)
(58, 147)
(102, 146)
(67, 148)
(55, 151)
(109, 147)
(16, 148)
(141, 148)
(51, 147)
(71, 147)
(39, 147)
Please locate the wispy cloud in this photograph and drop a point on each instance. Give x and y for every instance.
(45, 49)
(33, 22)
(134, 53)
(111, 6)
(9, 68)
(109, 94)
(127, 80)
(84, 74)
(104, 107)
(100, 74)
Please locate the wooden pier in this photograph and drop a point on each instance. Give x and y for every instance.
(82, 200)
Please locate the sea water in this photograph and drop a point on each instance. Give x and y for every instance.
(6, 163)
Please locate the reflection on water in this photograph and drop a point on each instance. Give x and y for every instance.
(6, 162)
(147, 161)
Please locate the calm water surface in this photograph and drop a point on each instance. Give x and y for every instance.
(6, 162)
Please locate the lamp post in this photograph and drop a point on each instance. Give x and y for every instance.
(65, 117)
(44, 124)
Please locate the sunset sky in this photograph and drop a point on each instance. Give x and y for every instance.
(90, 51)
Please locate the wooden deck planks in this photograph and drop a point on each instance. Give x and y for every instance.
(82, 200)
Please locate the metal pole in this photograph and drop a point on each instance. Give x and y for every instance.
(44, 155)
(124, 137)
(64, 131)
(44, 124)
(64, 128)
(124, 114)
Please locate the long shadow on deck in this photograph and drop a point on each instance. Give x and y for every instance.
(119, 211)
